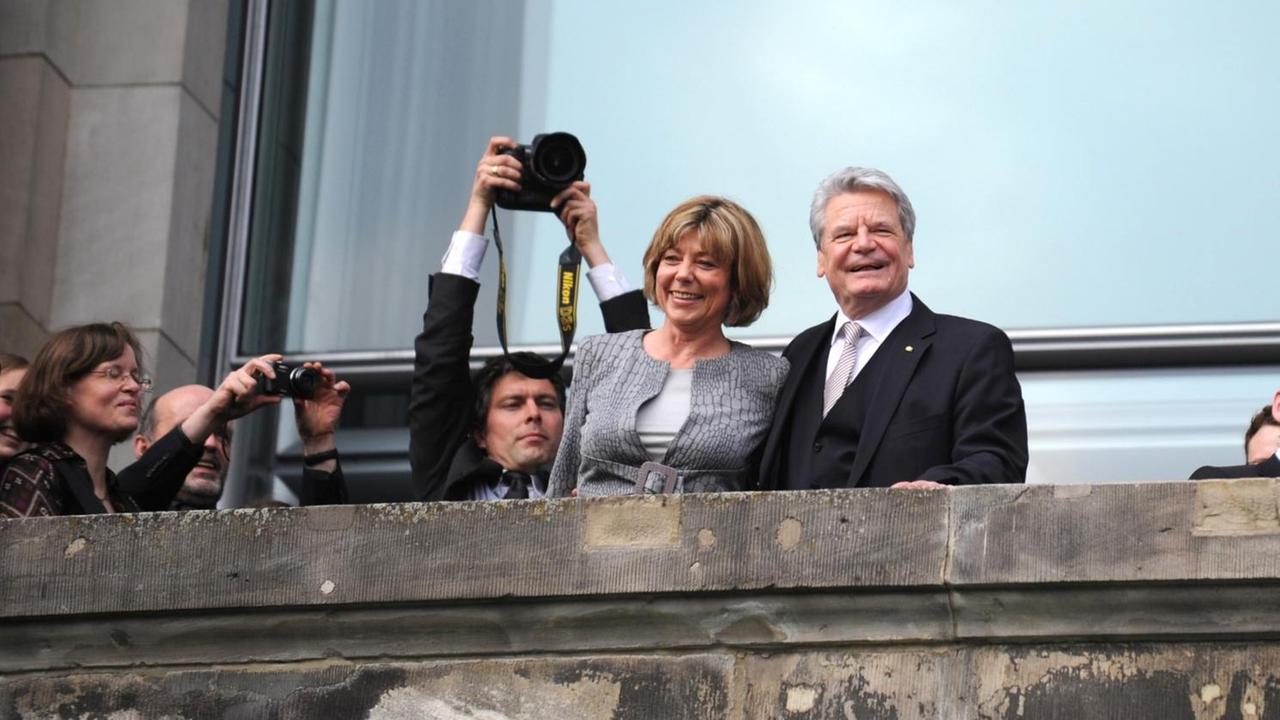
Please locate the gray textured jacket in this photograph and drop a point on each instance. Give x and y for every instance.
(733, 401)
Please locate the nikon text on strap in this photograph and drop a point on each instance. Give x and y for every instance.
(569, 273)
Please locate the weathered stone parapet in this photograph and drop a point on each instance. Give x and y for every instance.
(974, 602)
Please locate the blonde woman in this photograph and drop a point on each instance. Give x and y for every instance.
(681, 408)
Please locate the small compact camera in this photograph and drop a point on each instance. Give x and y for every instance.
(552, 162)
(290, 381)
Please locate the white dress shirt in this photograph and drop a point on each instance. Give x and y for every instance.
(466, 254)
(497, 490)
(875, 328)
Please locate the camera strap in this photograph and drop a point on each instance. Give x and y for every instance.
(568, 277)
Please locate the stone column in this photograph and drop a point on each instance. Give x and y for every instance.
(108, 136)
(109, 140)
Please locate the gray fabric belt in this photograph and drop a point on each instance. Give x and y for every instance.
(656, 478)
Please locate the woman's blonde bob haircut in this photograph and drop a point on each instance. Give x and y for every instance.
(732, 237)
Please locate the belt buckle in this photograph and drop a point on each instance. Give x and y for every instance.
(668, 472)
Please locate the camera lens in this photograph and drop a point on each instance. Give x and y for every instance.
(302, 381)
(558, 159)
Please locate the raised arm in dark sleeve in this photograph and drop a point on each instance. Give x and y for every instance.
(154, 479)
(440, 400)
(628, 311)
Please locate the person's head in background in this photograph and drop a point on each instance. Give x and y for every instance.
(12, 368)
(1262, 439)
(204, 484)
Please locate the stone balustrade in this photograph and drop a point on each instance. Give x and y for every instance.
(1125, 601)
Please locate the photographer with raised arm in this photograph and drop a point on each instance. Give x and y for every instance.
(496, 437)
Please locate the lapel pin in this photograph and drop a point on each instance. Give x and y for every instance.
(910, 348)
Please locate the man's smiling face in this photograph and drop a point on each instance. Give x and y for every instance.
(864, 253)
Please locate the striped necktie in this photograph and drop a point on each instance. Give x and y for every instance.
(839, 378)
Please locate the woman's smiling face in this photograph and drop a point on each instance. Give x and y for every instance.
(693, 286)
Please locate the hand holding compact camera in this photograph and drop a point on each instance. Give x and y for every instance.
(296, 381)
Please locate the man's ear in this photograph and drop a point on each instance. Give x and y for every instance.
(478, 438)
(140, 445)
(822, 271)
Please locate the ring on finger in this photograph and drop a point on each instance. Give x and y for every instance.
(493, 169)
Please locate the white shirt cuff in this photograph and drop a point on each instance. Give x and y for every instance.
(608, 281)
(465, 255)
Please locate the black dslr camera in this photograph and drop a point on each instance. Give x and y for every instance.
(290, 381)
(552, 162)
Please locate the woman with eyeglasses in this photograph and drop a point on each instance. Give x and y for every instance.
(82, 394)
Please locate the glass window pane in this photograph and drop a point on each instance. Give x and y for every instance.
(1072, 164)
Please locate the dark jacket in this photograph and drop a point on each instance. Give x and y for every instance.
(446, 463)
(1267, 468)
(51, 480)
(946, 406)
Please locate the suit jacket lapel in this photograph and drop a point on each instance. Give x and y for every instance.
(800, 354)
(899, 367)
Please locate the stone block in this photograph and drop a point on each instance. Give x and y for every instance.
(870, 682)
(20, 92)
(117, 42)
(694, 687)
(1149, 532)
(117, 207)
(19, 333)
(33, 141)
(204, 53)
(1057, 682)
(645, 624)
(22, 26)
(331, 556)
(187, 251)
(1135, 680)
(1116, 611)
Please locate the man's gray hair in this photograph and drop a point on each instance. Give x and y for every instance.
(853, 179)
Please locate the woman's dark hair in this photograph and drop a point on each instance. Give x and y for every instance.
(488, 375)
(41, 406)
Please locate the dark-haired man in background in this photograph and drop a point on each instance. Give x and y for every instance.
(1261, 445)
(495, 437)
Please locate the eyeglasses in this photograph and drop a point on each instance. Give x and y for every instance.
(116, 375)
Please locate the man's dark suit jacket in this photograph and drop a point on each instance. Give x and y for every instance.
(441, 403)
(1267, 468)
(947, 408)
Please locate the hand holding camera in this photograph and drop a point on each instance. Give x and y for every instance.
(317, 413)
(298, 382)
(236, 396)
(553, 162)
(578, 213)
(523, 177)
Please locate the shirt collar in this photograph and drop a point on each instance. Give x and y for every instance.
(879, 323)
